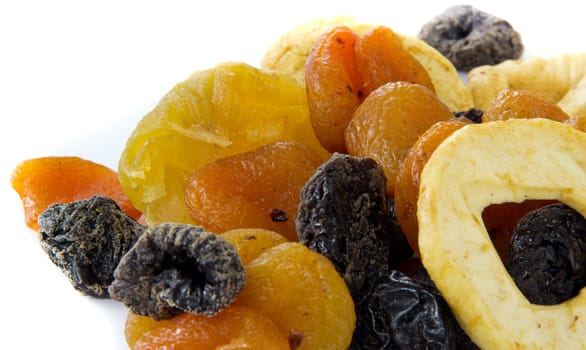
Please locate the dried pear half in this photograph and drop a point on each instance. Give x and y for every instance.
(225, 110)
(289, 54)
(481, 164)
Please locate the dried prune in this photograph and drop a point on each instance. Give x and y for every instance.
(469, 37)
(86, 239)
(174, 268)
(399, 249)
(402, 312)
(547, 255)
(343, 215)
(473, 114)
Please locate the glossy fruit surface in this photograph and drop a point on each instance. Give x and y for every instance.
(256, 189)
(388, 123)
(41, 182)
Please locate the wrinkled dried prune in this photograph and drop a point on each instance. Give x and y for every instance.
(174, 268)
(402, 312)
(343, 215)
(86, 239)
(469, 37)
(472, 114)
(547, 255)
(399, 248)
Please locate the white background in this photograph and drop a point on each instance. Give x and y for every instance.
(76, 76)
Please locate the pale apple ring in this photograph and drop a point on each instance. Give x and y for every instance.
(496, 162)
(560, 78)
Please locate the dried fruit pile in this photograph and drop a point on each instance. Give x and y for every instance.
(286, 212)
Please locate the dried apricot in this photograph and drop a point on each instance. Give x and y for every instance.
(256, 189)
(389, 121)
(408, 177)
(525, 104)
(334, 86)
(236, 327)
(229, 109)
(251, 242)
(303, 294)
(381, 58)
(43, 181)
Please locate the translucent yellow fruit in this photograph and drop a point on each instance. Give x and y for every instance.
(229, 109)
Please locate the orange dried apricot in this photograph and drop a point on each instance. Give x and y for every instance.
(251, 242)
(522, 104)
(236, 327)
(389, 121)
(303, 294)
(381, 58)
(256, 189)
(334, 86)
(43, 181)
(408, 177)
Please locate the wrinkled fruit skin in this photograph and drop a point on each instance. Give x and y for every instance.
(343, 215)
(86, 239)
(547, 257)
(402, 312)
(174, 268)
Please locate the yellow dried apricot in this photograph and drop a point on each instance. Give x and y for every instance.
(303, 294)
(236, 327)
(389, 121)
(408, 177)
(43, 181)
(251, 242)
(229, 109)
(524, 104)
(256, 189)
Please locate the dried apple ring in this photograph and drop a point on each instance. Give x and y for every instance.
(511, 161)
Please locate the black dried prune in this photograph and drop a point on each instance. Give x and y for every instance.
(399, 248)
(343, 215)
(547, 255)
(174, 268)
(472, 114)
(402, 312)
(469, 37)
(86, 239)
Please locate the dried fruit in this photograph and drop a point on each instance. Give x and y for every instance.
(472, 114)
(86, 239)
(401, 312)
(334, 86)
(469, 37)
(41, 182)
(256, 189)
(547, 256)
(343, 68)
(229, 109)
(174, 268)
(511, 104)
(381, 58)
(388, 123)
(409, 175)
(513, 160)
(251, 242)
(303, 294)
(235, 327)
(343, 215)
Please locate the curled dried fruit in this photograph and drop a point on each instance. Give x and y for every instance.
(343, 215)
(86, 239)
(174, 268)
(547, 256)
